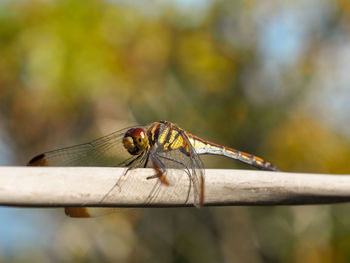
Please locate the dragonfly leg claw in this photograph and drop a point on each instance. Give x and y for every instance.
(161, 178)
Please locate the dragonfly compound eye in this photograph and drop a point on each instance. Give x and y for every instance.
(135, 141)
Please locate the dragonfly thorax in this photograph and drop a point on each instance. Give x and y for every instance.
(135, 141)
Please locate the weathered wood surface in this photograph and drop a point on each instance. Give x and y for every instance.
(62, 186)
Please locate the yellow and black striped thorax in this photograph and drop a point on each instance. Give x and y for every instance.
(167, 136)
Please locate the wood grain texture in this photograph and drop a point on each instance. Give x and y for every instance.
(81, 186)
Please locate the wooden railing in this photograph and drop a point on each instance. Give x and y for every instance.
(85, 186)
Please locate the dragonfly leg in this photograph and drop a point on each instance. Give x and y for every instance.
(176, 161)
(135, 163)
(161, 177)
(146, 162)
(139, 160)
(160, 170)
(186, 170)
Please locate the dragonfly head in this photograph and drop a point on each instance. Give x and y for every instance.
(135, 141)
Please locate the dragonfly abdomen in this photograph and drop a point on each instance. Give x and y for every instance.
(206, 147)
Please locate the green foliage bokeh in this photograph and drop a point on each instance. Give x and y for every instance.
(71, 71)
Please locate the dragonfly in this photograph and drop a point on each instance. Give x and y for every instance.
(160, 145)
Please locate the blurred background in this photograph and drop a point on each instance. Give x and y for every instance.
(265, 77)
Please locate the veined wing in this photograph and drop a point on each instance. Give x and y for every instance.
(105, 151)
(197, 173)
(170, 154)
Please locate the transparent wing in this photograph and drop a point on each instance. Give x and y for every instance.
(105, 151)
(189, 161)
(197, 174)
